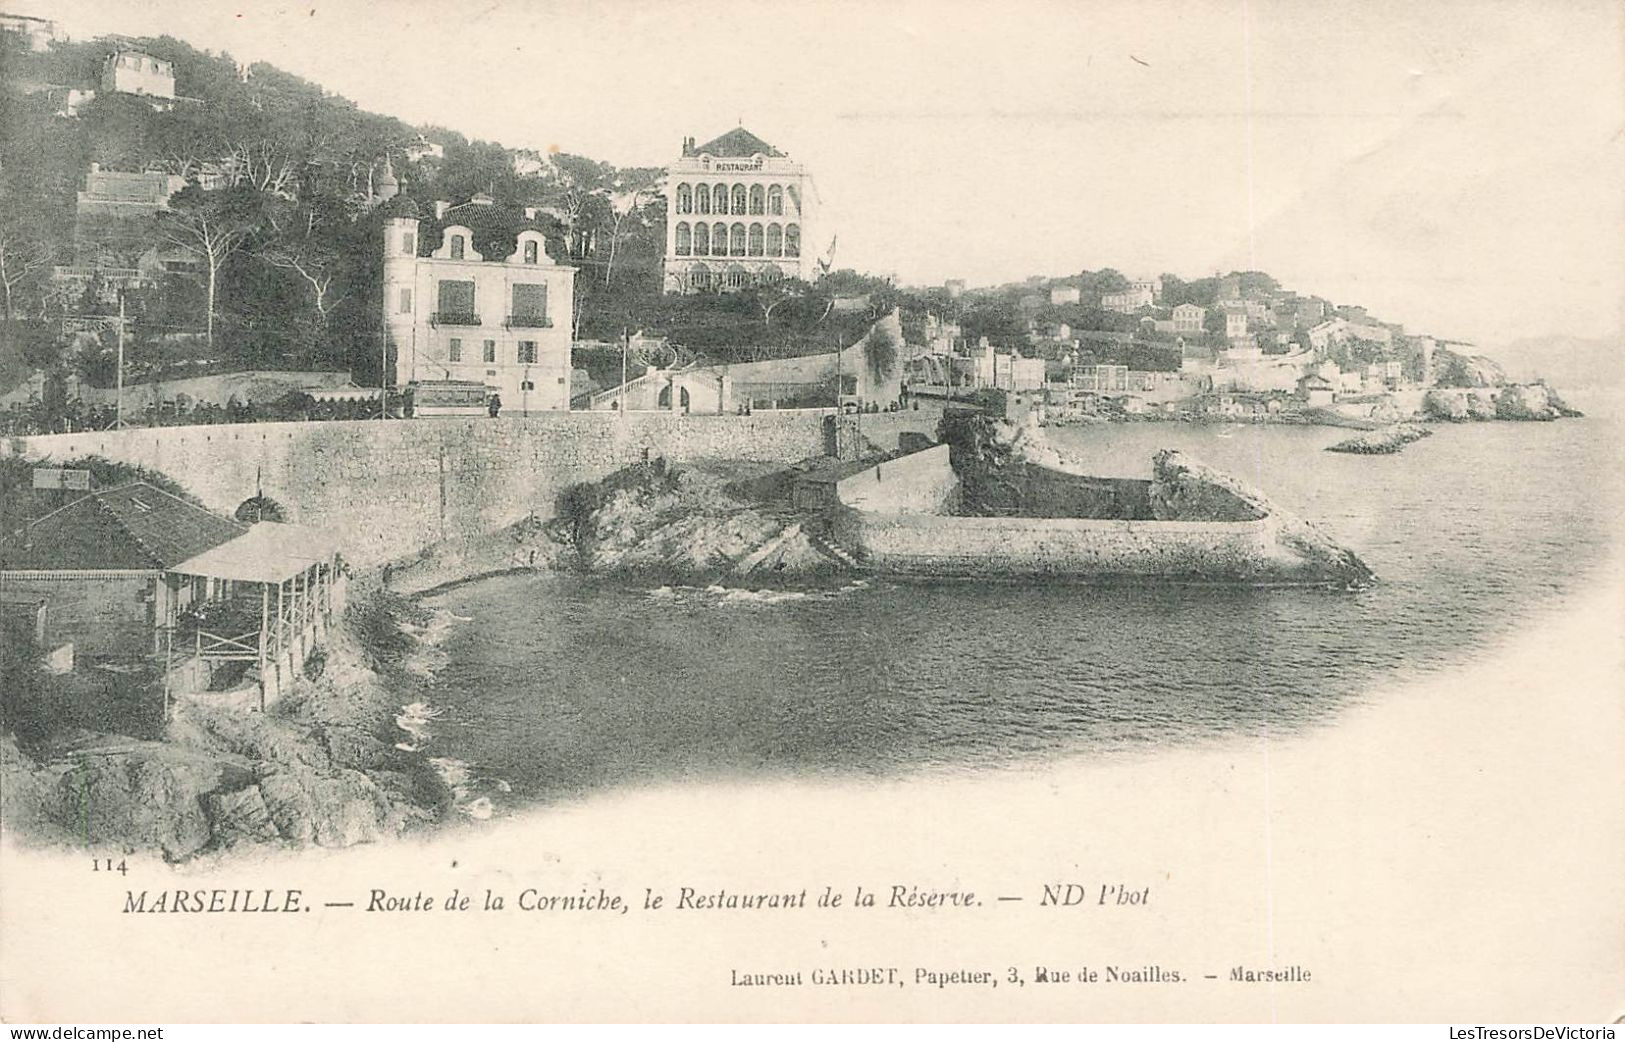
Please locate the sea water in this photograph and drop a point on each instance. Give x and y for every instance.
(557, 686)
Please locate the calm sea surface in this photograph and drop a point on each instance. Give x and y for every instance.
(555, 687)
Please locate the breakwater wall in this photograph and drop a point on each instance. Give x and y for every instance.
(923, 544)
(919, 483)
(388, 489)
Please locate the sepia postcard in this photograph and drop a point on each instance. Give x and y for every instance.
(812, 512)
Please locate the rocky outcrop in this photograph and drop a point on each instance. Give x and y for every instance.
(1386, 441)
(1185, 489)
(147, 796)
(1533, 401)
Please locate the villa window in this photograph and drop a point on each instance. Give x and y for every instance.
(685, 240)
(527, 352)
(756, 240)
(529, 305)
(457, 246)
(739, 199)
(736, 240)
(719, 239)
(454, 350)
(531, 252)
(702, 239)
(406, 302)
(792, 240)
(526, 385)
(756, 200)
(719, 199)
(685, 199)
(775, 201)
(457, 302)
(702, 199)
(775, 241)
(489, 353)
(409, 244)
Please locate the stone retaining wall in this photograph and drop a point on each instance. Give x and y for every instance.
(387, 489)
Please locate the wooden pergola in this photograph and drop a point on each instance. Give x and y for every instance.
(291, 572)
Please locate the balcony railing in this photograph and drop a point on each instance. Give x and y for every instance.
(454, 318)
(529, 322)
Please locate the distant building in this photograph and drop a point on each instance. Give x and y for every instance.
(1102, 379)
(422, 149)
(1370, 331)
(1127, 301)
(1235, 324)
(1026, 374)
(1064, 295)
(1189, 318)
(740, 212)
(139, 73)
(37, 33)
(1309, 312)
(1315, 389)
(452, 314)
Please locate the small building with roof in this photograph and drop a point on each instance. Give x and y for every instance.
(472, 296)
(740, 211)
(135, 574)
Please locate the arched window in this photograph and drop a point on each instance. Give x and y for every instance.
(719, 239)
(775, 241)
(736, 277)
(739, 199)
(702, 239)
(792, 240)
(702, 198)
(756, 200)
(531, 252)
(685, 239)
(756, 240)
(775, 201)
(456, 247)
(699, 276)
(772, 275)
(719, 199)
(685, 199)
(736, 240)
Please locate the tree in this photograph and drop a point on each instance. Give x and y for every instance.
(628, 189)
(211, 226)
(880, 351)
(24, 253)
(770, 298)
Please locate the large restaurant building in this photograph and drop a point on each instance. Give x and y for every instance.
(739, 212)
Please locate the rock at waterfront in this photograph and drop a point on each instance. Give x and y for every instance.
(147, 799)
(240, 816)
(333, 809)
(1185, 489)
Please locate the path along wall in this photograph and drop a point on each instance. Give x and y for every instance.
(387, 489)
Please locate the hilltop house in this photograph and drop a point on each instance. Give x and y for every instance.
(740, 211)
(472, 296)
(128, 71)
(1064, 295)
(1137, 296)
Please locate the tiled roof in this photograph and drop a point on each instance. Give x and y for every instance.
(133, 526)
(737, 143)
(496, 227)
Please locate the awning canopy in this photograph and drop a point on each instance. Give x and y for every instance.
(267, 553)
(342, 394)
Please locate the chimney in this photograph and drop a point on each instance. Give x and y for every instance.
(440, 208)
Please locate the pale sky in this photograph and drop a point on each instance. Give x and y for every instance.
(1458, 167)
